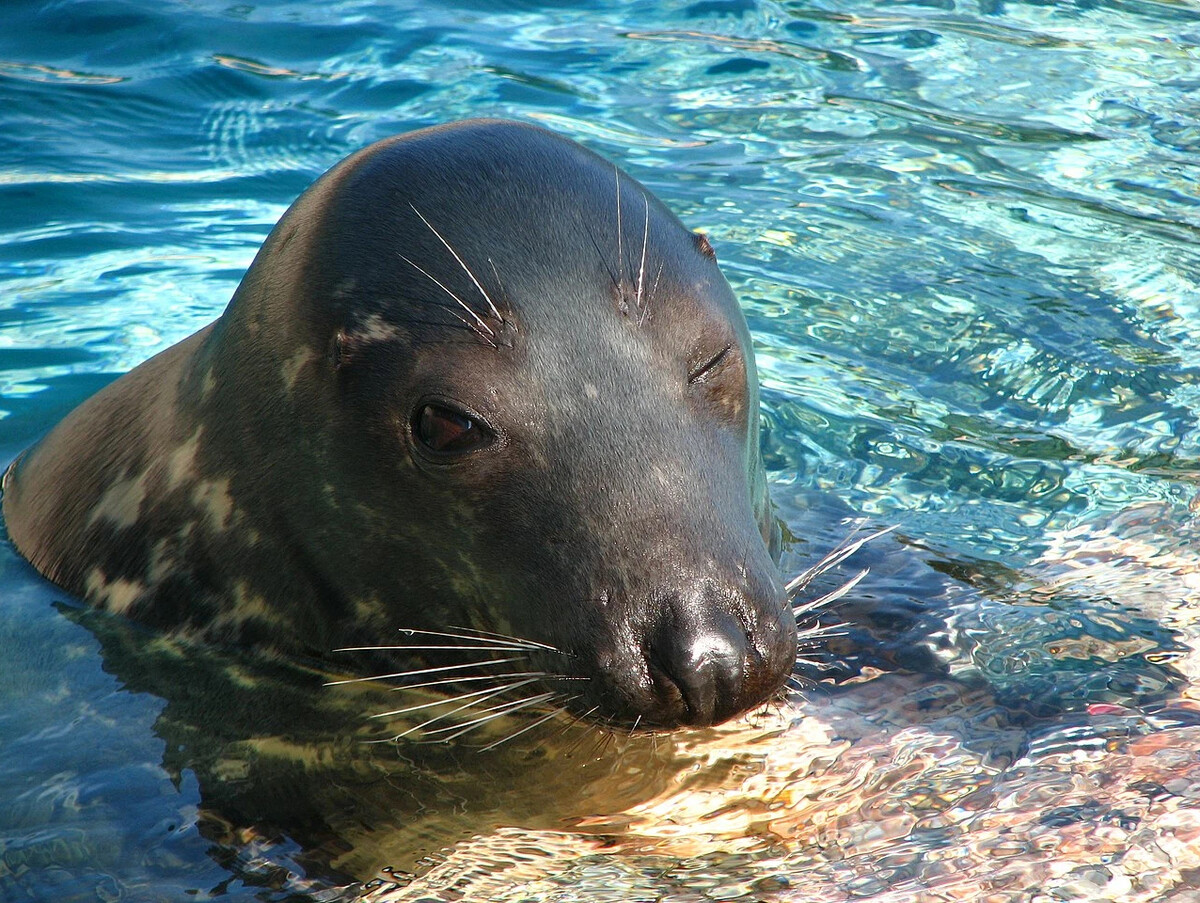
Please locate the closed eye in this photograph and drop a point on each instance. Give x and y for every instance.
(701, 372)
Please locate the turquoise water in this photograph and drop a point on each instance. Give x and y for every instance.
(965, 237)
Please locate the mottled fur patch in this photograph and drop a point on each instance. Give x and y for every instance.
(116, 595)
(213, 499)
(121, 504)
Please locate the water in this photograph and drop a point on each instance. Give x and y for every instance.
(964, 234)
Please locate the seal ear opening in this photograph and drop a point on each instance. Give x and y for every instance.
(338, 356)
(703, 245)
(346, 349)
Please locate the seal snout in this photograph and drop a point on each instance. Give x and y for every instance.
(702, 669)
(713, 656)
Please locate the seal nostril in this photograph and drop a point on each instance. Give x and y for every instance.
(706, 664)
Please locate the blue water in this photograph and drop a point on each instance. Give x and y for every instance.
(965, 237)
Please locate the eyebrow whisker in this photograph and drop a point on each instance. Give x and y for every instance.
(641, 279)
(620, 251)
(481, 323)
(486, 297)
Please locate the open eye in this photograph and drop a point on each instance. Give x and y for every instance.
(445, 431)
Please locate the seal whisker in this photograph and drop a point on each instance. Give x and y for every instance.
(415, 671)
(479, 322)
(394, 647)
(486, 297)
(422, 727)
(605, 742)
(554, 714)
(815, 639)
(814, 634)
(811, 660)
(483, 635)
(451, 681)
(467, 323)
(620, 251)
(839, 554)
(575, 719)
(489, 714)
(455, 648)
(485, 693)
(641, 279)
(801, 684)
(654, 288)
(506, 707)
(471, 327)
(810, 610)
(604, 262)
(499, 281)
(816, 604)
(591, 728)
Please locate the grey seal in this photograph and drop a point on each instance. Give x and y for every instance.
(476, 378)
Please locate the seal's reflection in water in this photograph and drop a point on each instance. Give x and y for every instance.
(918, 721)
(279, 754)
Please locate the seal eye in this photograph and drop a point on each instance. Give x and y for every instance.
(446, 431)
(702, 372)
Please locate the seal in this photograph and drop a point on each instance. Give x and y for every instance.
(476, 381)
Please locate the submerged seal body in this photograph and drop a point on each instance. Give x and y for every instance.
(477, 377)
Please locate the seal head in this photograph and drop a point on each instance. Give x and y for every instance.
(476, 377)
